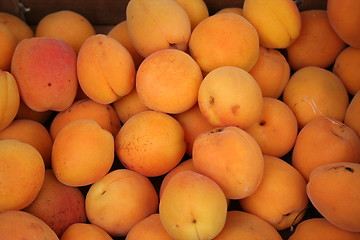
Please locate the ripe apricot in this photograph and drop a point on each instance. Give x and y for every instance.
(236, 10)
(314, 92)
(334, 190)
(8, 45)
(352, 115)
(86, 230)
(317, 45)
(168, 81)
(25, 112)
(67, 25)
(197, 11)
(324, 140)
(224, 40)
(277, 128)
(232, 158)
(150, 143)
(18, 27)
(346, 66)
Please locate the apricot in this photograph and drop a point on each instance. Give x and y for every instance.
(345, 67)
(119, 200)
(271, 71)
(17, 225)
(82, 153)
(200, 201)
(230, 96)
(120, 32)
(345, 20)
(236, 10)
(320, 228)
(150, 143)
(33, 133)
(224, 40)
(278, 23)
(277, 128)
(232, 158)
(8, 45)
(317, 45)
(196, 10)
(58, 205)
(45, 70)
(129, 105)
(149, 228)
(67, 25)
(352, 115)
(105, 68)
(25, 112)
(9, 98)
(17, 26)
(313, 92)
(246, 226)
(86, 231)
(193, 123)
(334, 190)
(168, 81)
(22, 174)
(322, 141)
(151, 25)
(278, 201)
(103, 114)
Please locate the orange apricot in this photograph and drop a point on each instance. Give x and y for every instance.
(67, 25)
(346, 68)
(150, 143)
(352, 115)
(277, 128)
(236, 10)
(168, 81)
(334, 190)
(87, 231)
(197, 11)
(271, 71)
(8, 45)
(317, 45)
(25, 112)
(19, 28)
(314, 92)
(322, 141)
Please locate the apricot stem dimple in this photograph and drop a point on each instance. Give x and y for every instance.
(212, 100)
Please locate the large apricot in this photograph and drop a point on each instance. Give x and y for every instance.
(82, 153)
(322, 141)
(150, 143)
(86, 231)
(334, 190)
(45, 70)
(317, 45)
(168, 81)
(224, 40)
(352, 115)
(22, 172)
(105, 69)
(232, 158)
(314, 92)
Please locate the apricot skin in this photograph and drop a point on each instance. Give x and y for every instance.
(352, 115)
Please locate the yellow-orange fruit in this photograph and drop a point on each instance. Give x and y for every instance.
(103, 114)
(150, 143)
(105, 69)
(322, 141)
(271, 71)
(82, 153)
(344, 18)
(317, 45)
(86, 231)
(246, 226)
(9, 98)
(16, 225)
(8, 45)
(278, 201)
(22, 174)
(33, 133)
(334, 190)
(320, 228)
(352, 115)
(17, 26)
(236, 10)
(197, 10)
(346, 68)
(119, 200)
(277, 128)
(314, 92)
(277, 22)
(232, 158)
(168, 81)
(67, 25)
(224, 40)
